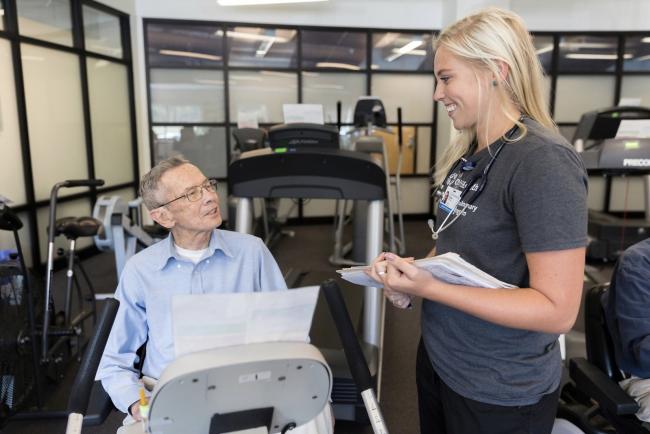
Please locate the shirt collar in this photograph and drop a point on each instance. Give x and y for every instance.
(217, 242)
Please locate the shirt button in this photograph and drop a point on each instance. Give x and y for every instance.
(208, 261)
(178, 265)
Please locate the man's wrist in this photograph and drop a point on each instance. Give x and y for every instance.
(130, 409)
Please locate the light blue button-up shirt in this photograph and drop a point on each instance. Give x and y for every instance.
(235, 263)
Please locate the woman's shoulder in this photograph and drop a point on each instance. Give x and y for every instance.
(541, 142)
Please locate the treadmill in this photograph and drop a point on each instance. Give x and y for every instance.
(304, 161)
(607, 155)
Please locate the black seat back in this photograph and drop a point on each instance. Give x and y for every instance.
(600, 348)
(248, 139)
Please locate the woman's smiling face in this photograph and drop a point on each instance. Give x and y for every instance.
(457, 88)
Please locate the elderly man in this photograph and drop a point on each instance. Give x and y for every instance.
(196, 258)
(627, 315)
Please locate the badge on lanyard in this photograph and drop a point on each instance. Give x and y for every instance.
(449, 199)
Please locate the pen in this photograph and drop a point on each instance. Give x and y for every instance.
(144, 409)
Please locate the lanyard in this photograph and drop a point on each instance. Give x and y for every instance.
(482, 177)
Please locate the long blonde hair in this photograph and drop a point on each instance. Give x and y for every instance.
(483, 39)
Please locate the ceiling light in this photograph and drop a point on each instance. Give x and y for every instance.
(386, 40)
(252, 36)
(2, 12)
(406, 49)
(578, 45)
(595, 56)
(337, 65)
(261, 2)
(265, 46)
(646, 40)
(544, 49)
(412, 52)
(189, 54)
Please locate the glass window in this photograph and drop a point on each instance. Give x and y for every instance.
(108, 92)
(262, 92)
(329, 88)
(413, 93)
(261, 47)
(596, 193)
(102, 32)
(45, 19)
(444, 131)
(588, 54)
(422, 150)
(55, 118)
(193, 95)
(11, 163)
(415, 195)
(203, 146)
(576, 95)
(173, 45)
(337, 50)
(623, 190)
(636, 86)
(637, 53)
(402, 51)
(544, 50)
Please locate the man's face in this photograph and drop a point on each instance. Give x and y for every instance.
(200, 216)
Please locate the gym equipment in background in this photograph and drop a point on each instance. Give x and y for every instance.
(323, 173)
(19, 357)
(72, 325)
(272, 223)
(123, 234)
(369, 119)
(610, 156)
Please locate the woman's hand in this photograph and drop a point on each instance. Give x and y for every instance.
(378, 272)
(403, 277)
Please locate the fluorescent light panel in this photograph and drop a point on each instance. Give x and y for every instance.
(406, 49)
(337, 65)
(595, 56)
(544, 49)
(262, 2)
(251, 36)
(189, 54)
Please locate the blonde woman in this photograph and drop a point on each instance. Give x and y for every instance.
(489, 359)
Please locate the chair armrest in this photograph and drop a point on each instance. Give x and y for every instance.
(605, 391)
(99, 406)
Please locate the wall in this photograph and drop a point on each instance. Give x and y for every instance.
(600, 15)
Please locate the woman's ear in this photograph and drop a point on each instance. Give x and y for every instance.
(163, 217)
(503, 71)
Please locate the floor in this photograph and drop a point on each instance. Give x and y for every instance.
(308, 250)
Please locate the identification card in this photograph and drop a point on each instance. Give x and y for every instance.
(450, 199)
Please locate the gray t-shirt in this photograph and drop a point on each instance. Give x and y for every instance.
(534, 200)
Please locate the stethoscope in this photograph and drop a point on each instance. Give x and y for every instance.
(467, 166)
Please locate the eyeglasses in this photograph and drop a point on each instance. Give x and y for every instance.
(195, 193)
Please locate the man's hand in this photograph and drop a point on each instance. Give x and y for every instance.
(135, 410)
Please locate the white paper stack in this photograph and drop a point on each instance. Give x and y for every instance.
(449, 267)
(206, 321)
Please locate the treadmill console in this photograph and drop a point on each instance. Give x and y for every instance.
(297, 136)
(622, 155)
